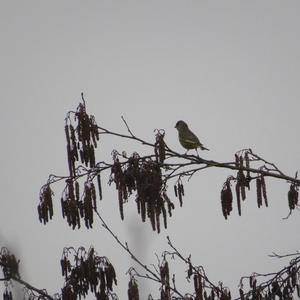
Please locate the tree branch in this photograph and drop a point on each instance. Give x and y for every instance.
(154, 277)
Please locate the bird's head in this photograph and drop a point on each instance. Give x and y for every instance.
(180, 125)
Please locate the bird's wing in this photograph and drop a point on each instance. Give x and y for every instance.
(193, 139)
(190, 139)
(190, 142)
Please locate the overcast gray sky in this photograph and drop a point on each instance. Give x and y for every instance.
(230, 69)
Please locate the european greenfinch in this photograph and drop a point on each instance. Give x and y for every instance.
(187, 138)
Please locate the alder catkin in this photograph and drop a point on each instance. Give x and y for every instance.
(243, 192)
(182, 189)
(133, 291)
(157, 222)
(237, 160)
(121, 204)
(264, 190)
(180, 193)
(69, 154)
(238, 197)
(77, 191)
(92, 156)
(259, 192)
(164, 212)
(162, 151)
(175, 190)
(226, 199)
(93, 194)
(247, 160)
(99, 186)
(298, 290)
(241, 162)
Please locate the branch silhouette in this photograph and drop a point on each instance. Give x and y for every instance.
(145, 178)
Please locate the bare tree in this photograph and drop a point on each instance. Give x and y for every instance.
(143, 179)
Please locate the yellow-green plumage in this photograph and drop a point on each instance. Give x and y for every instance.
(187, 138)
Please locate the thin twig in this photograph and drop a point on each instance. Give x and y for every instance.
(153, 276)
(127, 126)
(42, 293)
(187, 261)
(284, 255)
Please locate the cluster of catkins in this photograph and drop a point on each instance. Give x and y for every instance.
(280, 286)
(45, 207)
(165, 291)
(81, 140)
(293, 196)
(89, 273)
(9, 264)
(76, 207)
(144, 177)
(133, 289)
(242, 181)
(10, 269)
(216, 293)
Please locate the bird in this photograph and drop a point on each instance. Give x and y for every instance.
(187, 138)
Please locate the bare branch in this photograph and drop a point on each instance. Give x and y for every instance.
(149, 273)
